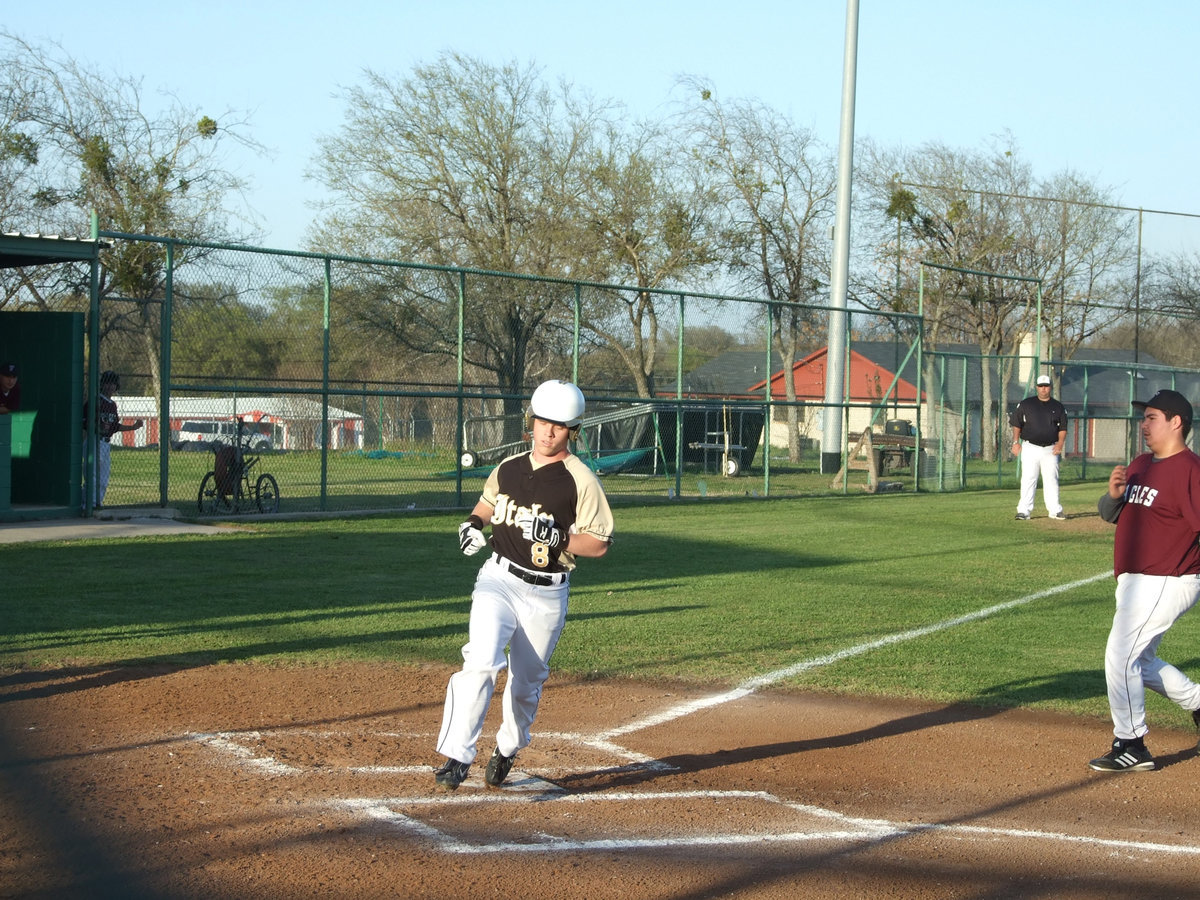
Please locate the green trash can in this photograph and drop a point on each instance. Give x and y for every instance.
(22, 432)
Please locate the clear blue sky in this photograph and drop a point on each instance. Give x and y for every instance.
(1105, 88)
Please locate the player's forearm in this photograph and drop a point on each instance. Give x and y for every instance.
(588, 546)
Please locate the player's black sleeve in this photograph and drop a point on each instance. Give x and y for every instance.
(1017, 419)
(1109, 508)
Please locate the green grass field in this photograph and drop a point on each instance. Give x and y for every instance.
(423, 478)
(705, 591)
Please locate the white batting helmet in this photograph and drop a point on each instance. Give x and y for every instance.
(558, 401)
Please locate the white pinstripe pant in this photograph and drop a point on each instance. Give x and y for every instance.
(1147, 606)
(515, 624)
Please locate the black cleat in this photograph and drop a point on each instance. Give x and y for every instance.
(452, 774)
(498, 768)
(1196, 718)
(1125, 756)
(1021, 517)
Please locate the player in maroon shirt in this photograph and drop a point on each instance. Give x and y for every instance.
(1155, 502)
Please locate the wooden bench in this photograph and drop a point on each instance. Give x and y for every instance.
(883, 453)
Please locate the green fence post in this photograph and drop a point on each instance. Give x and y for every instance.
(575, 336)
(325, 385)
(89, 478)
(767, 415)
(461, 423)
(164, 400)
(920, 373)
(679, 403)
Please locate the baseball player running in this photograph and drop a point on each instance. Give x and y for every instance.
(1155, 502)
(545, 508)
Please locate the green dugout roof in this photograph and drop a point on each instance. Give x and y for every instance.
(37, 250)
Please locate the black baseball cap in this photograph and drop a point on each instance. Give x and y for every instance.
(1172, 403)
(8, 368)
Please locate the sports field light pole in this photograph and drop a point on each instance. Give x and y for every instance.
(835, 351)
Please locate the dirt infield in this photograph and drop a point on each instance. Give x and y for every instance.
(245, 781)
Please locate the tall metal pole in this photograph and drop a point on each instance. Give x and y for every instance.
(1137, 298)
(835, 355)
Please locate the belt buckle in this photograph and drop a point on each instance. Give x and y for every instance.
(531, 577)
(525, 575)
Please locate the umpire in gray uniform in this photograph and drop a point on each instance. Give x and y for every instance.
(1039, 429)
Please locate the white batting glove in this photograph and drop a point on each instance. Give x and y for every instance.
(470, 538)
(542, 530)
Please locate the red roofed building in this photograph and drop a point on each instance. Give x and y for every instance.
(867, 382)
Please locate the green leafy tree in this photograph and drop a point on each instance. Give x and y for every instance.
(85, 141)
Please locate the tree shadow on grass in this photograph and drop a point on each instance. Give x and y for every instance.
(31, 684)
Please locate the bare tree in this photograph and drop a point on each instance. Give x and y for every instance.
(1169, 311)
(777, 185)
(650, 211)
(465, 164)
(1052, 248)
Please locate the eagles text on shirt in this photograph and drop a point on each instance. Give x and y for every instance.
(1140, 494)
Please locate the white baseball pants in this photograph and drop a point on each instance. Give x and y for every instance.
(1037, 461)
(1147, 605)
(526, 619)
(103, 471)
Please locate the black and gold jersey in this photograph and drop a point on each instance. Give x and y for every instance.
(567, 492)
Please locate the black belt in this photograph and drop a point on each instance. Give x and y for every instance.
(529, 577)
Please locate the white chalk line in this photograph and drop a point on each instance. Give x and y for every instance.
(853, 829)
(228, 742)
(766, 680)
(234, 743)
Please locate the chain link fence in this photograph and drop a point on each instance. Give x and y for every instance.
(360, 385)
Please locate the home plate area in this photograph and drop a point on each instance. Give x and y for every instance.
(254, 781)
(538, 813)
(571, 792)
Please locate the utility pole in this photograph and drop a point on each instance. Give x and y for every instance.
(835, 358)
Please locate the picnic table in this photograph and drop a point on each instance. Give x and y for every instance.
(720, 441)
